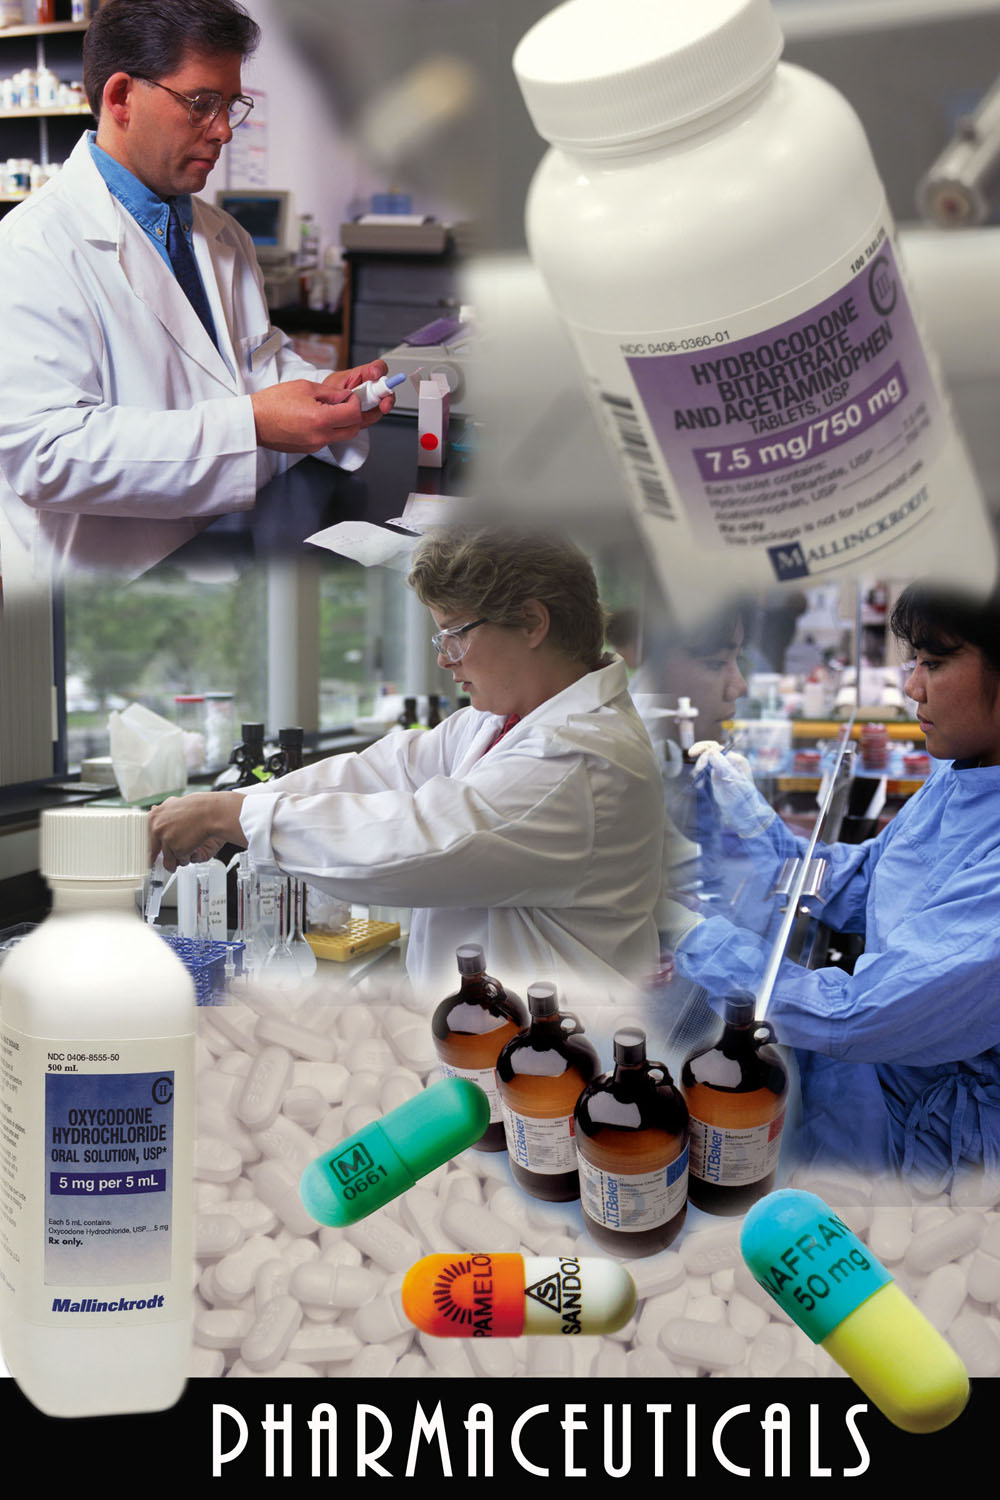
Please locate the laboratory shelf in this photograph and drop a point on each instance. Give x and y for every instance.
(45, 111)
(831, 729)
(57, 44)
(48, 28)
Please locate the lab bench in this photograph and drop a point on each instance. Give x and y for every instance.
(25, 897)
(788, 776)
(311, 495)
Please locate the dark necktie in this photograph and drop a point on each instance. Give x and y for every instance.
(186, 270)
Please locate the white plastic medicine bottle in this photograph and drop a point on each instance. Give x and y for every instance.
(712, 228)
(97, 1023)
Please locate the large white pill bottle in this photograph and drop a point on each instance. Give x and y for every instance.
(97, 1120)
(712, 228)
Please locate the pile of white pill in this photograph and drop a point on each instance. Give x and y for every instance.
(278, 1295)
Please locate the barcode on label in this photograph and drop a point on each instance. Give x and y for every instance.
(637, 454)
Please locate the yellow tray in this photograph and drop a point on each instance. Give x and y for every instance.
(362, 936)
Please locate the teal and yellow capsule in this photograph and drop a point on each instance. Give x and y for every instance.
(831, 1285)
(376, 1164)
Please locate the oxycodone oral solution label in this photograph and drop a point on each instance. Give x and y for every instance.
(88, 1177)
(108, 1175)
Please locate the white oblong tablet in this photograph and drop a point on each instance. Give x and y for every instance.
(976, 1340)
(304, 1105)
(770, 1351)
(942, 1295)
(273, 1330)
(264, 1087)
(324, 1343)
(711, 1250)
(216, 1160)
(384, 1242)
(948, 1241)
(984, 1268)
(272, 1031)
(471, 1225)
(222, 1327)
(709, 1345)
(325, 1285)
(217, 1234)
(890, 1233)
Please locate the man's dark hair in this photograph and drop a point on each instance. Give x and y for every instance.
(150, 38)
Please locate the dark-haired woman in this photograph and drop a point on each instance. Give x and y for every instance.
(899, 1061)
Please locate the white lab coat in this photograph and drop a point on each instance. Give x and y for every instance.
(546, 849)
(124, 430)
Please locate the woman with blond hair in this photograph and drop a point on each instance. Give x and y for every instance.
(530, 822)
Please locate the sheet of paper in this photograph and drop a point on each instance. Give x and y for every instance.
(372, 546)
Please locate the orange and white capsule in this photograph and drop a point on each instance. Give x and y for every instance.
(484, 1295)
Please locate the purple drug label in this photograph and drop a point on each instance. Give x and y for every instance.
(766, 454)
(771, 436)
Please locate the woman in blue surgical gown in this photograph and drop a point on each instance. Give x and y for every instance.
(899, 1061)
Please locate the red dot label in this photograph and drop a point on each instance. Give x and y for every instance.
(428, 440)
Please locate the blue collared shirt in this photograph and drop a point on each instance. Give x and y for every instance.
(149, 211)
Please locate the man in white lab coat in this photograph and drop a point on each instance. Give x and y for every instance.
(530, 822)
(144, 390)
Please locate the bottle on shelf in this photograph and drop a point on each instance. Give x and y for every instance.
(735, 1093)
(408, 718)
(249, 757)
(471, 1027)
(542, 1072)
(434, 715)
(290, 745)
(632, 1145)
(288, 756)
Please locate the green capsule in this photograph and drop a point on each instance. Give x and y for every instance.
(376, 1164)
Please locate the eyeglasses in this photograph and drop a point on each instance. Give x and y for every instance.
(205, 107)
(449, 643)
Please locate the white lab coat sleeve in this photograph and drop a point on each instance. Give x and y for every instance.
(519, 832)
(401, 760)
(63, 444)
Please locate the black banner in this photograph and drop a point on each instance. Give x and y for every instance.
(525, 1431)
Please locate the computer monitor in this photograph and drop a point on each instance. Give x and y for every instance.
(263, 213)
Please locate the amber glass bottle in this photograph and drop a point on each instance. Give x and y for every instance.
(735, 1094)
(469, 1029)
(249, 756)
(542, 1074)
(632, 1144)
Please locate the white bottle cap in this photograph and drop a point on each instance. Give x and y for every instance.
(90, 843)
(598, 75)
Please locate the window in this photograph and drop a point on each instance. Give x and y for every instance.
(163, 635)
